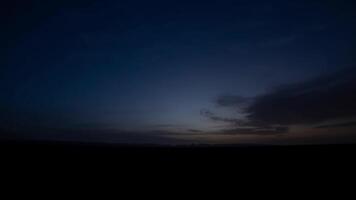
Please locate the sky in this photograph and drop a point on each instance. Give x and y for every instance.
(179, 72)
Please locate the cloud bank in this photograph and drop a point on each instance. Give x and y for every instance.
(321, 100)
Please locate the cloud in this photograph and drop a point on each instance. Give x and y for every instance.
(231, 100)
(327, 98)
(321, 100)
(255, 131)
(194, 131)
(243, 127)
(158, 126)
(212, 116)
(93, 136)
(339, 125)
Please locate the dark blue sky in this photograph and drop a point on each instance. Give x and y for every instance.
(153, 67)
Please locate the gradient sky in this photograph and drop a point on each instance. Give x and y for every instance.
(134, 71)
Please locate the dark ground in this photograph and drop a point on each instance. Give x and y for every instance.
(121, 163)
(142, 170)
(43, 150)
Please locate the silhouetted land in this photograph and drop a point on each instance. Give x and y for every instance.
(49, 149)
(24, 158)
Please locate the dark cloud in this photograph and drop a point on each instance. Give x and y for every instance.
(326, 98)
(194, 131)
(317, 101)
(243, 127)
(339, 125)
(214, 117)
(255, 131)
(165, 126)
(93, 136)
(232, 100)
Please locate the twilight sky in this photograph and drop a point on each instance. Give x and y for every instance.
(135, 71)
